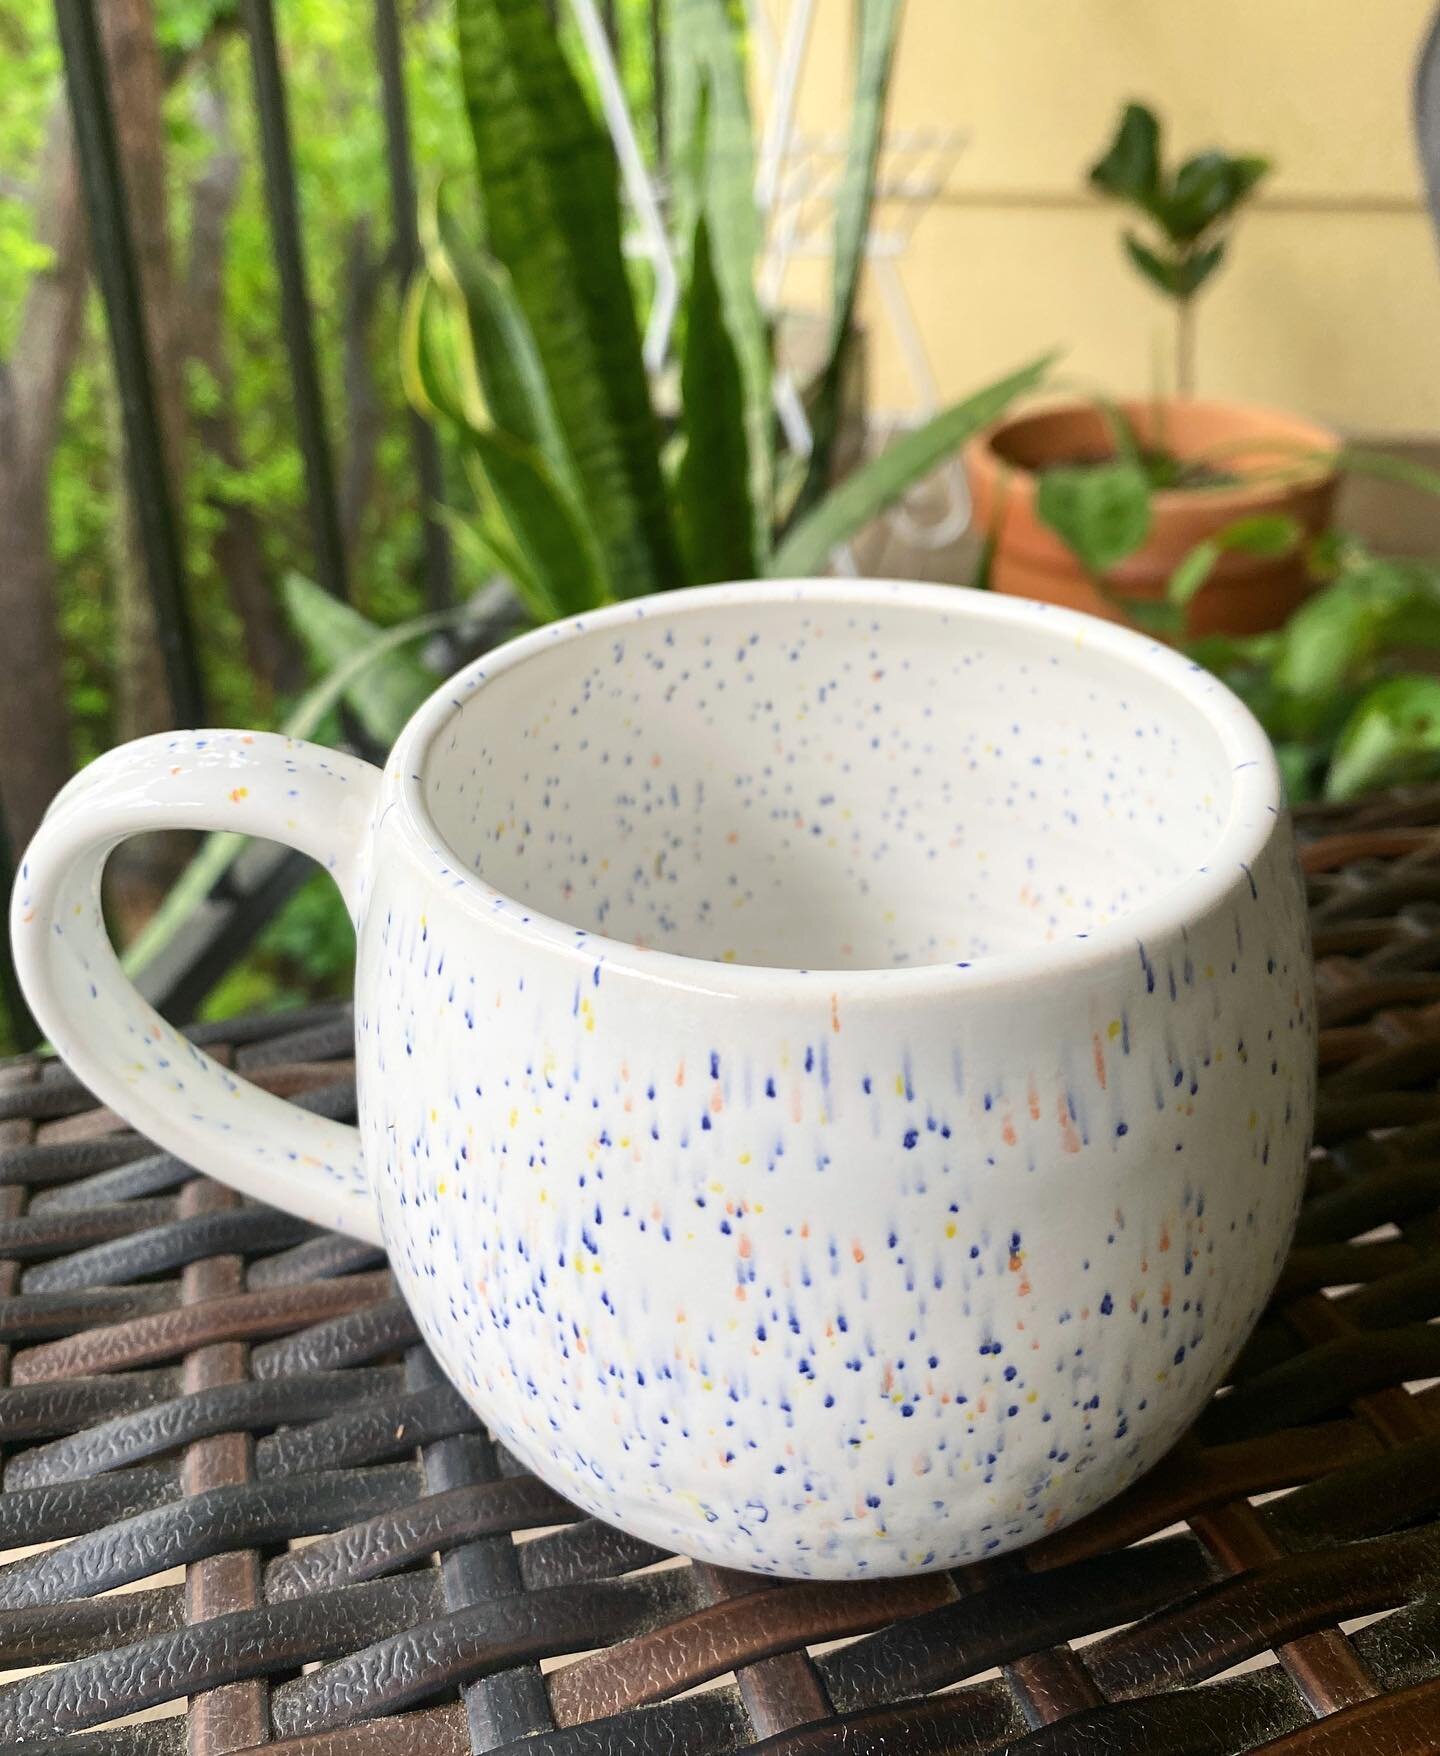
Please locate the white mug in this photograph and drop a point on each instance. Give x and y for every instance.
(835, 1060)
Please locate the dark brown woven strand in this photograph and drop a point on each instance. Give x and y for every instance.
(189, 1379)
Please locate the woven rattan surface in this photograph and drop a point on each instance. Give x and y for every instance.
(233, 1478)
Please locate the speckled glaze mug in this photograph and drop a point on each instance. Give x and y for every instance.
(835, 1059)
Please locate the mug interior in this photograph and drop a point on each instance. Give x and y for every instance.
(799, 783)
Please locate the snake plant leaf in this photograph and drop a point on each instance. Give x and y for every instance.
(712, 489)
(709, 102)
(431, 372)
(872, 487)
(878, 27)
(494, 344)
(562, 572)
(1392, 736)
(549, 189)
(391, 684)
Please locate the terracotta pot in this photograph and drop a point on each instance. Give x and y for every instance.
(1245, 594)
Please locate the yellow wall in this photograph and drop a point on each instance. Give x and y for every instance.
(1330, 303)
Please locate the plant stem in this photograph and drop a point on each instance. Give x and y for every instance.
(1184, 348)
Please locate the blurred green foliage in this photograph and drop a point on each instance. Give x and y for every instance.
(337, 126)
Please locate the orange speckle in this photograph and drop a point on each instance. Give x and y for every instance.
(797, 1103)
(1165, 1293)
(625, 1072)
(1053, 1517)
(717, 1101)
(740, 1294)
(238, 793)
(744, 1246)
(887, 1383)
(680, 1074)
(656, 760)
(1099, 1059)
(1033, 1097)
(856, 1251)
(1024, 1288)
(1069, 1138)
(981, 1404)
(1016, 1259)
(680, 1314)
(27, 917)
(805, 1228)
(1007, 1131)
(580, 1347)
(1134, 1302)
(920, 1463)
(1164, 1238)
(175, 769)
(835, 1012)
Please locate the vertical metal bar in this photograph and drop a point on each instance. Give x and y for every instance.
(439, 571)
(24, 1032)
(114, 259)
(284, 208)
(657, 82)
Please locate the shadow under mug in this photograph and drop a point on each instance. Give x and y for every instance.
(835, 1060)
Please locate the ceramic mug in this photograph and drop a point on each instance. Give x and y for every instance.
(835, 1060)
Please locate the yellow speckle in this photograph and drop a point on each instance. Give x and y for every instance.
(514, 1118)
(717, 1188)
(1113, 1029)
(238, 793)
(1209, 972)
(440, 1188)
(706, 1384)
(899, 1085)
(744, 1158)
(434, 1115)
(1253, 1119)
(950, 1229)
(1032, 1395)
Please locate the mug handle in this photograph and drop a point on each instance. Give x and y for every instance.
(259, 783)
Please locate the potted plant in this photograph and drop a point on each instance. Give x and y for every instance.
(1094, 504)
(522, 333)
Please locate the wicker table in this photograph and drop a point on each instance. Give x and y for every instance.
(216, 1405)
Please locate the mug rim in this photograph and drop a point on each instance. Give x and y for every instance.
(1257, 804)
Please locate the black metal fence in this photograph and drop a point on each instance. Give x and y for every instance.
(187, 978)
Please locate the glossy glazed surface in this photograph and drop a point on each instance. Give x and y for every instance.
(835, 1061)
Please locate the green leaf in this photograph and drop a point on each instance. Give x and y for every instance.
(707, 66)
(1163, 272)
(1153, 615)
(1264, 534)
(1196, 267)
(1383, 466)
(348, 678)
(1392, 736)
(562, 568)
(1100, 514)
(712, 490)
(548, 180)
(878, 27)
(868, 490)
(1207, 188)
(1130, 168)
(495, 345)
(387, 688)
